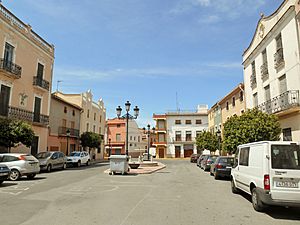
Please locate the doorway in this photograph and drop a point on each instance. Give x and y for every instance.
(161, 153)
(35, 145)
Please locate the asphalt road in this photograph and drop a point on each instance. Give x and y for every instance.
(179, 194)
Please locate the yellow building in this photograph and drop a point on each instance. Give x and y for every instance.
(92, 117)
(26, 67)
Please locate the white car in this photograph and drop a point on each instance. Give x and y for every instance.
(269, 171)
(20, 165)
(79, 158)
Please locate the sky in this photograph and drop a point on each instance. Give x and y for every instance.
(158, 54)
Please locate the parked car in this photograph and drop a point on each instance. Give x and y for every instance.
(52, 160)
(79, 158)
(222, 167)
(269, 171)
(4, 173)
(199, 160)
(194, 158)
(20, 165)
(207, 161)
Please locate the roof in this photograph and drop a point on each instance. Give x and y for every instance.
(54, 96)
(239, 87)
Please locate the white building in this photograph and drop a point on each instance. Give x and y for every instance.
(272, 68)
(177, 131)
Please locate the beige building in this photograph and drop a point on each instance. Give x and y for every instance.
(64, 122)
(26, 67)
(272, 67)
(92, 118)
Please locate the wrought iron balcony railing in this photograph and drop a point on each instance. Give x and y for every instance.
(278, 58)
(41, 83)
(264, 71)
(14, 69)
(62, 131)
(253, 80)
(287, 100)
(22, 114)
(184, 139)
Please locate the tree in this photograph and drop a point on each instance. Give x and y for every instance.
(14, 132)
(90, 139)
(207, 140)
(252, 126)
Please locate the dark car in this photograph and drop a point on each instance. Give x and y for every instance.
(4, 173)
(194, 158)
(207, 161)
(222, 167)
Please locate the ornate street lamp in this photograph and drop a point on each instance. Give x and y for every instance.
(127, 116)
(109, 147)
(68, 133)
(148, 132)
(218, 133)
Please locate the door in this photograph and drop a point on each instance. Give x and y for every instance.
(177, 151)
(4, 100)
(37, 109)
(34, 146)
(55, 160)
(161, 153)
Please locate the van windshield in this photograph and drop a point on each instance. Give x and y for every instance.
(285, 157)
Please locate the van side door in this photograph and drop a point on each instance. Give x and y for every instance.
(242, 180)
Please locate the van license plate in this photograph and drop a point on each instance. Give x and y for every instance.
(286, 184)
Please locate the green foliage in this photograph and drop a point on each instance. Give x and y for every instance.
(252, 126)
(13, 132)
(207, 140)
(90, 139)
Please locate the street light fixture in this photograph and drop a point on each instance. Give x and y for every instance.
(148, 132)
(218, 133)
(127, 116)
(68, 133)
(109, 147)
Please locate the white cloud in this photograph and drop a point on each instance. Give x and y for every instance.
(209, 19)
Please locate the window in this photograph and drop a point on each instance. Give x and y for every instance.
(282, 84)
(95, 116)
(37, 109)
(100, 118)
(278, 42)
(227, 105)
(130, 138)
(241, 96)
(178, 135)
(40, 72)
(73, 112)
(65, 109)
(134, 138)
(94, 128)
(161, 138)
(8, 55)
(242, 111)
(233, 101)
(285, 157)
(253, 67)
(255, 100)
(244, 156)
(188, 122)
(87, 127)
(100, 130)
(267, 93)
(88, 113)
(287, 134)
(264, 56)
(177, 121)
(139, 138)
(198, 121)
(198, 132)
(118, 137)
(4, 100)
(188, 135)
(118, 125)
(72, 124)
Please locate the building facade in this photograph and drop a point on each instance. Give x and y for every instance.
(116, 138)
(177, 132)
(92, 117)
(272, 68)
(26, 67)
(64, 125)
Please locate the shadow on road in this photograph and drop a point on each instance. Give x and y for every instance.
(34, 179)
(7, 184)
(84, 167)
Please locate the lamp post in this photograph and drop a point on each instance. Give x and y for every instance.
(218, 133)
(68, 133)
(109, 147)
(148, 132)
(127, 116)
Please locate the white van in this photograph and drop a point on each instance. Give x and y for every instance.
(269, 171)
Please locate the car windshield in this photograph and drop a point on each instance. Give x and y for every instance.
(43, 155)
(285, 157)
(227, 161)
(75, 154)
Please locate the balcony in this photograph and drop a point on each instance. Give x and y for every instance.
(12, 70)
(253, 80)
(41, 83)
(264, 71)
(184, 140)
(62, 131)
(278, 59)
(283, 104)
(22, 114)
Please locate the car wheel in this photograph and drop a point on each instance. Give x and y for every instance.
(258, 205)
(216, 176)
(49, 168)
(31, 176)
(14, 175)
(1, 181)
(88, 163)
(211, 173)
(234, 189)
(79, 163)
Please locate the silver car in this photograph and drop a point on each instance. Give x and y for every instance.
(52, 160)
(20, 165)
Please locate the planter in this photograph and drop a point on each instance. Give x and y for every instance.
(134, 165)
